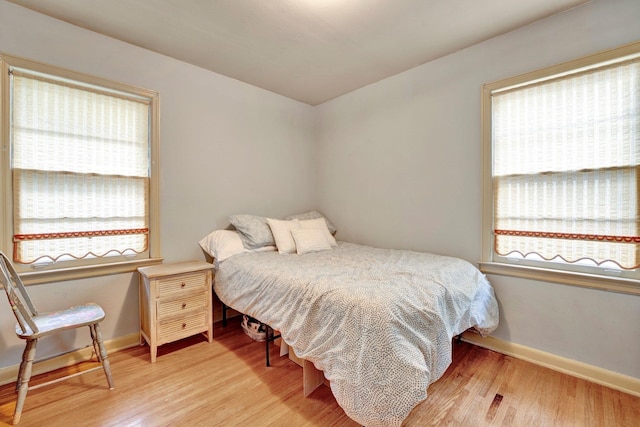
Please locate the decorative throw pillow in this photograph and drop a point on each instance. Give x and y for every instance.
(310, 240)
(320, 224)
(254, 230)
(281, 231)
(313, 215)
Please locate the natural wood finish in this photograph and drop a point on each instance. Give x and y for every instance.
(175, 302)
(312, 377)
(605, 377)
(227, 383)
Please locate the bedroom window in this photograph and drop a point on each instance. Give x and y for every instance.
(79, 171)
(562, 162)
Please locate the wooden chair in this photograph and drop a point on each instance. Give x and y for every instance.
(33, 325)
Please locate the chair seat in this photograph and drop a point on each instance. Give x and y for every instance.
(82, 315)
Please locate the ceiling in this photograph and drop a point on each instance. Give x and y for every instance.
(308, 50)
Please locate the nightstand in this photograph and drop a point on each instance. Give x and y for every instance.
(175, 302)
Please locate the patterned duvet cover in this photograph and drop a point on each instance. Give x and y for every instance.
(378, 322)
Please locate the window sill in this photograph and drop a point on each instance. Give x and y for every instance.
(37, 277)
(612, 284)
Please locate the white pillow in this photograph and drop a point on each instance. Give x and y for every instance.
(222, 244)
(321, 224)
(281, 231)
(310, 240)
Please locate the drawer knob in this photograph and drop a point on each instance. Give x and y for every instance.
(184, 305)
(182, 285)
(184, 325)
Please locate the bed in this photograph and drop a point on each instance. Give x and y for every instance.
(378, 322)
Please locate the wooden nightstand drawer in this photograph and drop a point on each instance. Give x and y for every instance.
(175, 329)
(171, 307)
(182, 283)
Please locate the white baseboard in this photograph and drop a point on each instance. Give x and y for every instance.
(9, 374)
(567, 366)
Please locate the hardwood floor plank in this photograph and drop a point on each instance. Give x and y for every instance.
(226, 383)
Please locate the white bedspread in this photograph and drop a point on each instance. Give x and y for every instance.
(378, 322)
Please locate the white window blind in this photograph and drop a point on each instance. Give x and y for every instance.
(80, 165)
(566, 153)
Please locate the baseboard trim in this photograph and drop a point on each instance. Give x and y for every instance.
(10, 373)
(567, 366)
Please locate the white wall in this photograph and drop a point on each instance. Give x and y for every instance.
(226, 147)
(399, 166)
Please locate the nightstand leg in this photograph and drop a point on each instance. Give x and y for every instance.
(154, 352)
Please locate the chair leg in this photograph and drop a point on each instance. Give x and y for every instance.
(23, 366)
(23, 377)
(101, 353)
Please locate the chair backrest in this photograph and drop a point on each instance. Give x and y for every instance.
(19, 300)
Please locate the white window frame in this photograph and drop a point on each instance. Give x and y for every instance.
(67, 270)
(492, 263)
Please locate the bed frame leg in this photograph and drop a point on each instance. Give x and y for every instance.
(266, 345)
(270, 336)
(224, 315)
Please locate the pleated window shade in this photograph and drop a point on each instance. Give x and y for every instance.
(565, 167)
(80, 165)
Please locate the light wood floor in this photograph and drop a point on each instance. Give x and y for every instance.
(226, 383)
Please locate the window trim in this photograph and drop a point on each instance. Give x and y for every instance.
(81, 269)
(489, 263)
